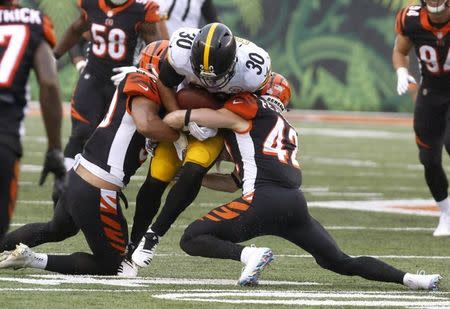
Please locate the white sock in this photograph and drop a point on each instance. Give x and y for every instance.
(246, 253)
(40, 261)
(68, 163)
(444, 205)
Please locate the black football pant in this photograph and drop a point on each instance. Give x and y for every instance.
(90, 103)
(279, 212)
(432, 128)
(9, 175)
(97, 213)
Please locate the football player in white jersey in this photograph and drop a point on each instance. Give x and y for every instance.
(214, 59)
(187, 13)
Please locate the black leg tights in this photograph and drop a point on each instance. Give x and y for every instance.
(180, 196)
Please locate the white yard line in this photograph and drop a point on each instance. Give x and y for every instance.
(331, 228)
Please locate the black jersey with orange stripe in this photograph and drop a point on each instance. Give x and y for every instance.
(114, 32)
(266, 152)
(116, 147)
(22, 31)
(431, 44)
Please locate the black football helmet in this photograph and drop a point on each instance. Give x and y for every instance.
(213, 55)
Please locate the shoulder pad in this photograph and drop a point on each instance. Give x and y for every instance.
(407, 18)
(254, 64)
(140, 83)
(179, 51)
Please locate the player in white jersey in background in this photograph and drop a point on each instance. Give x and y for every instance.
(187, 13)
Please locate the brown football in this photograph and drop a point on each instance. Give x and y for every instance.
(196, 98)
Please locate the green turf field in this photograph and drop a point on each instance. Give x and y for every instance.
(368, 163)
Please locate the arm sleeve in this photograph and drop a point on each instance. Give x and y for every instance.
(168, 76)
(243, 104)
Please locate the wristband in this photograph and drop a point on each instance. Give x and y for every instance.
(187, 117)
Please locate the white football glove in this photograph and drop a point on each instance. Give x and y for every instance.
(201, 133)
(181, 145)
(80, 65)
(403, 80)
(121, 72)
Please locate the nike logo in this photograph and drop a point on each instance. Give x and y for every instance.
(237, 102)
(143, 87)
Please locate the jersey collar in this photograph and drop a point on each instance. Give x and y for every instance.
(438, 32)
(111, 11)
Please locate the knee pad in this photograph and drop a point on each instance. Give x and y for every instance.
(205, 152)
(165, 162)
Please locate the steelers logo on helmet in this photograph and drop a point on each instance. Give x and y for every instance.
(152, 54)
(213, 55)
(435, 6)
(277, 91)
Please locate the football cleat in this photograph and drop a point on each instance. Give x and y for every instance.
(443, 228)
(21, 257)
(127, 269)
(261, 258)
(421, 281)
(145, 251)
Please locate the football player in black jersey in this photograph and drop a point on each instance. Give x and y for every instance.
(26, 38)
(92, 200)
(114, 27)
(264, 147)
(426, 28)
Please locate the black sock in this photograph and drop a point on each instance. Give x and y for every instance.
(180, 196)
(210, 246)
(148, 201)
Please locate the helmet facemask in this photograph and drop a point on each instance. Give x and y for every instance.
(210, 80)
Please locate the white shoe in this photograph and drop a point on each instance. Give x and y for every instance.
(21, 257)
(422, 281)
(256, 263)
(443, 228)
(127, 269)
(144, 253)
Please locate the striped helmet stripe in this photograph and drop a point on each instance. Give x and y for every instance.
(208, 46)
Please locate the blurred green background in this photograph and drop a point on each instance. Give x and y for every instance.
(335, 53)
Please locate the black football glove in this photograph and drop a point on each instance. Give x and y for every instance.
(54, 163)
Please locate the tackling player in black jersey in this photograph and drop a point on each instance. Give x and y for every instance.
(426, 28)
(264, 147)
(92, 200)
